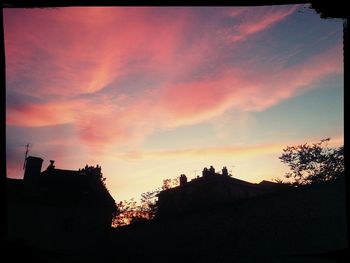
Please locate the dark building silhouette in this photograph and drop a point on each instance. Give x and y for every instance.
(298, 224)
(59, 209)
(210, 190)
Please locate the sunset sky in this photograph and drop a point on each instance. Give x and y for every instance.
(151, 93)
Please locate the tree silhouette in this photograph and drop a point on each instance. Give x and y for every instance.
(170, 183)
(149, 203)
(131, 211)
(313, 163)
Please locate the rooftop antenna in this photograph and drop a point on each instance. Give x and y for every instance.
(195, 172)
(26, 155)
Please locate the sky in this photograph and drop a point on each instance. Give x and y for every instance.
(150, 93)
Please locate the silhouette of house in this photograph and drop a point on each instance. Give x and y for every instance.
(212, 189)
(59, 209)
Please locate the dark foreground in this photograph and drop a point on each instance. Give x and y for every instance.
(299, 225)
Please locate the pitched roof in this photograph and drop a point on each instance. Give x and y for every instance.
(211, 180)
(63, 187)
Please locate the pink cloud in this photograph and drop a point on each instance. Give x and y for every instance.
(266, 19)
(61, 57)
(254, 20)
(193, 102)
(101, 122)
(285, 83)
(67, 52)
(196, 101)
(57, 55)
(70, 53)
(98, 130)
(40, 114)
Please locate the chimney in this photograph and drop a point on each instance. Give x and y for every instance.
(51, 166)
(183, 180)
(224, 171)
(212, 170)
(205, 172)
(33, 169)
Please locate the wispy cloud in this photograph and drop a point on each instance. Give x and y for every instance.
(207, 151)
(196, 101)
(222, 151)
(61, 55)
(254, 21)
